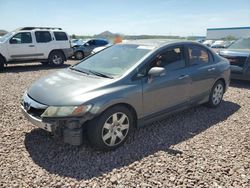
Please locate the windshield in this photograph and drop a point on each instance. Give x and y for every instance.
(5, 37)
(115, 60)
(241, 44)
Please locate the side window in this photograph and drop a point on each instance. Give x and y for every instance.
(43, 36)
(60, 36)
(171, 59)
(92, 42)
(21, 38)
(101, 42)
(197, 55)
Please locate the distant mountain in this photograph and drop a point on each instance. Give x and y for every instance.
(105, 34)
(3, 32)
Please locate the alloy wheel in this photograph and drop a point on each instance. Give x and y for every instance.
(217, 94)
(115, 129)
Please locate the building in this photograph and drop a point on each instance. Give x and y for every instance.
(236, 32)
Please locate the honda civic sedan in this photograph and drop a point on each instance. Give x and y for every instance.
(124, 87)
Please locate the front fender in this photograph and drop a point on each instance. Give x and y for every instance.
(130, 95)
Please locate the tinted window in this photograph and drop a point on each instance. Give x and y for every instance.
(198, 55)
(60, 36)
(92, 42)
(21, 38)
(101, 42)
(171, 59)
(42, 36)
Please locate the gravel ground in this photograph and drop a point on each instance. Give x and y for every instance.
(199, 147)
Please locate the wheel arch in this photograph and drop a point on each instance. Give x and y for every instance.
(1, 56)
(223, 81)
(58, 50)
(126, 105)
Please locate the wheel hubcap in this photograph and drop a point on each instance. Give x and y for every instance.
(217, 94)
(57, 59)
(115, 129)
(79, 55)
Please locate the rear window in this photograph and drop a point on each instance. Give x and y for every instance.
(43, 36)
(60, 36)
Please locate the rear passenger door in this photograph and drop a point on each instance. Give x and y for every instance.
(202, 71)
(43, 43)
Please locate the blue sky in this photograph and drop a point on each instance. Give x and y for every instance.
(158, 17)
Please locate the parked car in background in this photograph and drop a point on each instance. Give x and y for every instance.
(208, 42)
(85, 50)
(77, 42)
(47, 45)
(238, 55)
(123, 87)
(228, 43)
(218, 44)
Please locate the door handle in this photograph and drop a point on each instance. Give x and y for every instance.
(183, 77)
(211, 69)
(31, 45)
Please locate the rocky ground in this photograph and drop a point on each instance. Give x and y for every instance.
(199, 147)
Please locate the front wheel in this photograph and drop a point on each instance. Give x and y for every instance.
(79, 55)
(56, 58)
(216, 94)
(111, 129)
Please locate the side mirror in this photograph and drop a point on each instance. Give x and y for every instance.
(156, 71)
(86, 44)
(13, 41)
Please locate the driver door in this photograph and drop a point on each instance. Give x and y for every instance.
(21, 46)
(170, 90)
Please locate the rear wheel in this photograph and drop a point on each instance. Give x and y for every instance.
(79, 55)
(216, 94)
(56, 58)
(111, 129)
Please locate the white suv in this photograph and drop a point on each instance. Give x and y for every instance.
(47, 45)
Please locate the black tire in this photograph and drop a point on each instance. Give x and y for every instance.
(56, 58)
(216, 94)
(79, 55)
(96, 129)
(1, 64)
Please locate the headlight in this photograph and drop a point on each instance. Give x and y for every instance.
(63, 111)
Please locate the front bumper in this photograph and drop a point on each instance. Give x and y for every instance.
(37, 122)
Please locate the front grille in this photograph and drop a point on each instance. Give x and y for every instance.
(33, 107)
(237, 61)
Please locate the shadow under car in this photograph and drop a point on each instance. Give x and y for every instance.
(84, 162)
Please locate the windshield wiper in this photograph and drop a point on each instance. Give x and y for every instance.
(78, 70)
(100, 74)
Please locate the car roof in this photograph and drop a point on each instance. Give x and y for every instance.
(157, 43)
(39, 29)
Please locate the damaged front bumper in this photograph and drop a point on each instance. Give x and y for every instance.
(69, 128)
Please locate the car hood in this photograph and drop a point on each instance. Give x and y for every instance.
(235, 52)
(67, 87)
